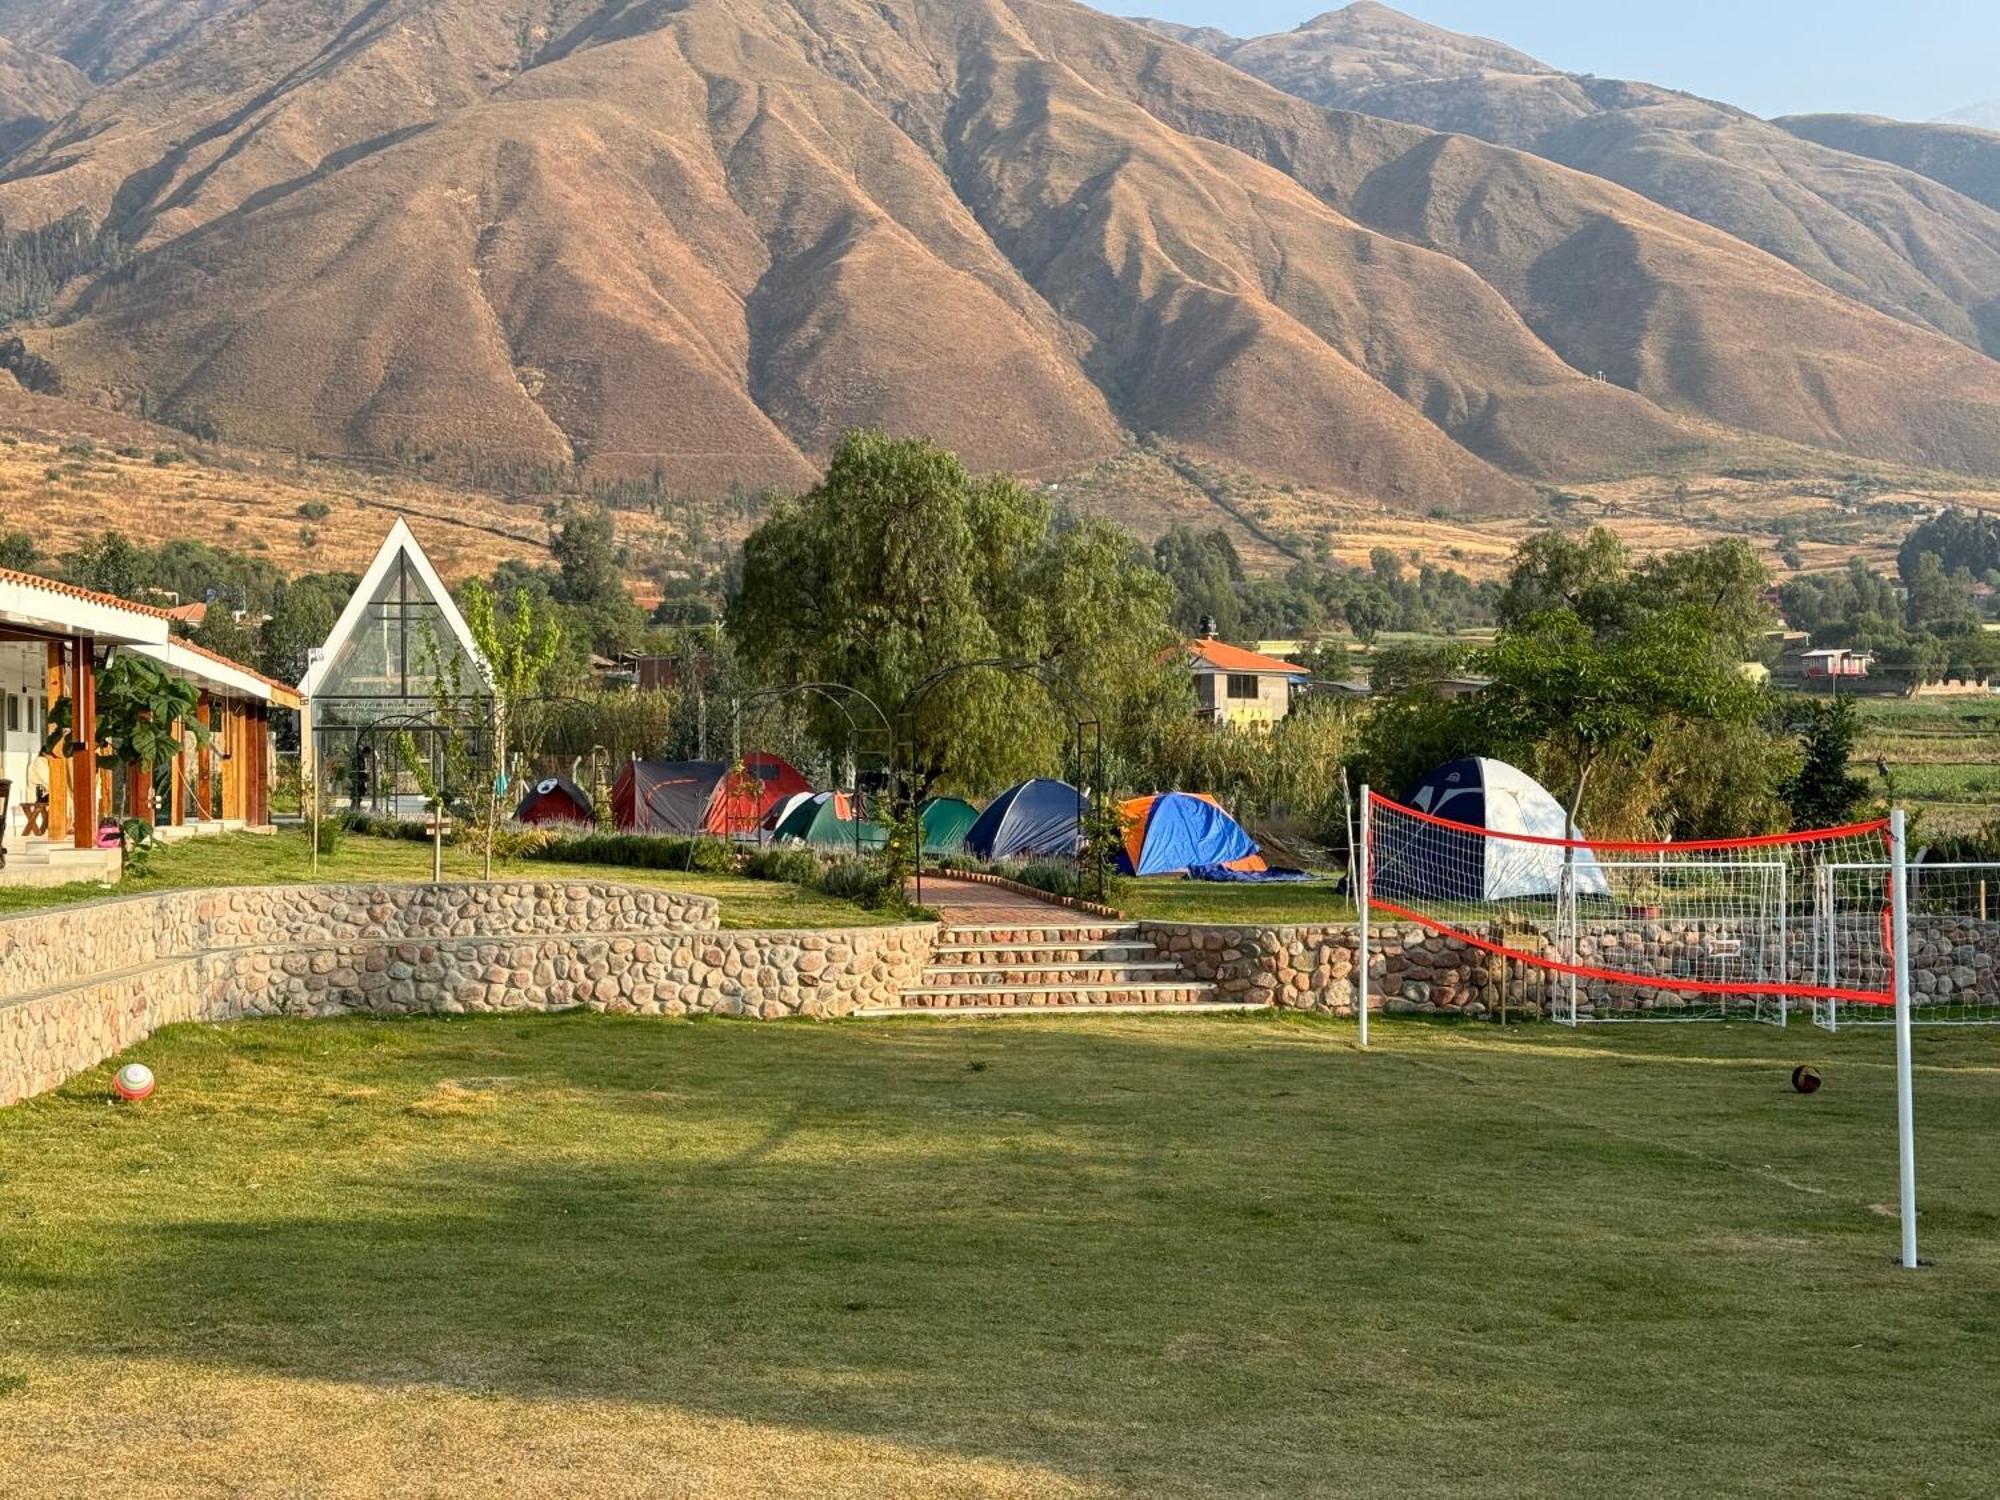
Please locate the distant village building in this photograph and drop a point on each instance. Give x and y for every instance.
(1833, 663)
(1235, 686)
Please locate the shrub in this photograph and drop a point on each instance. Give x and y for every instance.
(643, 851)
(315, 510)
(1057, 880)
(799, 866)
(856, 880)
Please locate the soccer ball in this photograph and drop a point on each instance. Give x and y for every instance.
(1805, 1078)
(134, 1082)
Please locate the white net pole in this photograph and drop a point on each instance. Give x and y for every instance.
(1906, 1144)
(1365, 892)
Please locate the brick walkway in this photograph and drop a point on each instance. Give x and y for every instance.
(968, 903)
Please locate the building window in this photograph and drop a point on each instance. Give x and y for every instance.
(1243, 685)
(13, 714)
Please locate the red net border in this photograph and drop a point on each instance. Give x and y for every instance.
(1671, 983)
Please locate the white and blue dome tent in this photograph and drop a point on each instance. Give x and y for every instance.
(1434, 862)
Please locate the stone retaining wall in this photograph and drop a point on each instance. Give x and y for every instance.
(1312, 968)
(1953, 960)
(79, 984)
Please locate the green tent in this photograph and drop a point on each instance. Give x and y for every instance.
(825, 821)
(946, 821)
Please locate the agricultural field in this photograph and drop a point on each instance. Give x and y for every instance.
(1115, 1258)
(1942, 754)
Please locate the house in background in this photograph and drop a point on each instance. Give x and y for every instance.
(1834, 663)
(1235, 686)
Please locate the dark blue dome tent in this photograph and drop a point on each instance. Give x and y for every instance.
(1413, 858)
(1039, 817)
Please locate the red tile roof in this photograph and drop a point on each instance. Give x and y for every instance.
(1227, 658)
(73, 591)
(284, 692)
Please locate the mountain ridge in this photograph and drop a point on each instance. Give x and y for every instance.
(705, 238)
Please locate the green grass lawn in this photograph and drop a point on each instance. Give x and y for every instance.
(1165, 900)
(286, 857)
(1131, 1257)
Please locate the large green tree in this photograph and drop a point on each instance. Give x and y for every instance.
(901, 569)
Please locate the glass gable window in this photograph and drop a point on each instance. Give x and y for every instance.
(394, 656)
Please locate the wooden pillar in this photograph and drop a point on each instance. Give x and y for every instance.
(177, 780)
(139, 793)
(83, 746)
(55, 688)
(204, 764)
(260, 756)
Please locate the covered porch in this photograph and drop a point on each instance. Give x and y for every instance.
(59, 821)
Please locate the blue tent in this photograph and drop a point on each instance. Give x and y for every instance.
(1036, 817)
(1174, 831)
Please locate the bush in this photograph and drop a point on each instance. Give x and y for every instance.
(856, 880)
(799, 866)
(1057, 880)
(644, 851)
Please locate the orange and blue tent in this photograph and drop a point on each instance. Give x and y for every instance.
(1170, 833)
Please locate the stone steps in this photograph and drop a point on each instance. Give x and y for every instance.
(1045, 967)
(1166, 995)
(1017, 955)
(1070, 1007)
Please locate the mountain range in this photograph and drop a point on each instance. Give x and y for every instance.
(701, 237)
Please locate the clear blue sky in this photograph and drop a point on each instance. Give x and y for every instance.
(1912, 60)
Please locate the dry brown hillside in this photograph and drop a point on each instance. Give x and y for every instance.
(1962, 157)
(1871, 229)
(704, 237)
(69, 472)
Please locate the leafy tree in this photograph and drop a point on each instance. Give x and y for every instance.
(1560, 691)
(519, 645)
(301, 619)
(19, 552)
(221, 631)
(900, 565)
(110, 565)
(590, 579)
(1368, 614)
(1822, 792)
(1553, 571)
(1936, 603)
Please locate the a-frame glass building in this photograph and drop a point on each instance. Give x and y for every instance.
(376, 678)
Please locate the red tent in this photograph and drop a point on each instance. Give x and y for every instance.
(702, 796)
(556, 799)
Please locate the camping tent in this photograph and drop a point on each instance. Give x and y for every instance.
(777, 815)
(946, 821)
(1168, 833)
(1416, 858)
(556, 799)
(701, 796)
(1036, 817)
(826, 821)
(666, 796)
(764, 783)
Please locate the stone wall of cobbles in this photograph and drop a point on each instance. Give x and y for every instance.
(80, 984)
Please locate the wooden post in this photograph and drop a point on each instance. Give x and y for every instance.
(204, 778)
(83, 746)
(56, 688)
